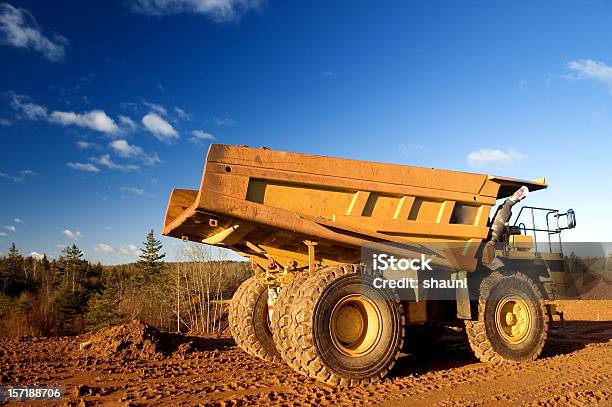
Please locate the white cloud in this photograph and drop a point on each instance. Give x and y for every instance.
(87, 167)
(5, 122)
(24, 107)
(105, 161)
(36, 255)
(181, 114)
(223, 121)
(133, 190)
(3, 234)
(159, 127)
(85, 145)
(95, 120)
(72, 235)
(156, 108)
(18, 29)
(21, 176)
(128, 249)
(328, 74)
(590, 70)
(487, 156)
(217, 10)
(127, 150)
(19, 220)
(127, 122)
(11, 228)
(200, 137)
(151, 159)
(104, 248)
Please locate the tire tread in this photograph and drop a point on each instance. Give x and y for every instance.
(476, 330)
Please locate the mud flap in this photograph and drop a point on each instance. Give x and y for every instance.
(462, 294)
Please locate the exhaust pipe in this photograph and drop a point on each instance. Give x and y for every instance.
(502, 216)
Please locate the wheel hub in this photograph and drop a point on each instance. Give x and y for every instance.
(513, 319)
(350, 324)
(355, 325)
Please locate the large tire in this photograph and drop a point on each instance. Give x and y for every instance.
(347, 332)
(248, 320)
(512, 323)
(283, 329)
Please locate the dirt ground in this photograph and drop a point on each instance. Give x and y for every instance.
(135, 365)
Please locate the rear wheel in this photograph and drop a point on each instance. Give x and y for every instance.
(346, 330)
(249, 322)
(282, 325)
(511, 325)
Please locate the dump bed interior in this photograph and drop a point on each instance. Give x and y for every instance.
(264, 203)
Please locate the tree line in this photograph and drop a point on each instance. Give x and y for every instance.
(71, 295)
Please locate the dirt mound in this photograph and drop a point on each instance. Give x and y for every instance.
(138, 341)
(134, 340)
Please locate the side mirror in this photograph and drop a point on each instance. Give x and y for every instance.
(571, 219)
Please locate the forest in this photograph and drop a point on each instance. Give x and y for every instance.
(70, 295)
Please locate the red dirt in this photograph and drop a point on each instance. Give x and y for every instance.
(134, 364)
(129, 341)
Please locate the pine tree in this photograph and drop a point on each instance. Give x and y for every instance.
(45, 263)
(151, 262)
(74, 267)
(102, 311)
(93, 277)
(70, 299)
(66, 307)
(10, 269)
(15, 259)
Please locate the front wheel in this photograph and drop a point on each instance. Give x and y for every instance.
(511, 324)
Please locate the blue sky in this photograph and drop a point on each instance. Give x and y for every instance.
(106, 106)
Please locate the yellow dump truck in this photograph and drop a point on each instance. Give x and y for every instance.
(309, 225)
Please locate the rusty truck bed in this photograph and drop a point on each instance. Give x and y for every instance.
(265, 204)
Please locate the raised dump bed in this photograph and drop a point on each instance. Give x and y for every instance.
(265, 203)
